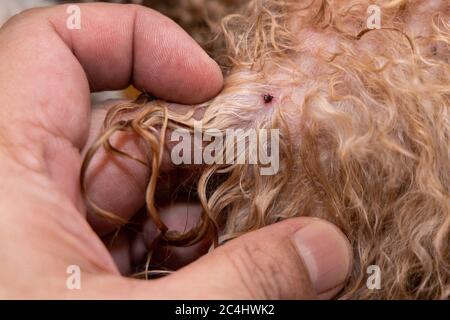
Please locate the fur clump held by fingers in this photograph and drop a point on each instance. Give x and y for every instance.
(364, 117)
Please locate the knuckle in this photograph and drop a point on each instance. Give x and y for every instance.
(261, 275)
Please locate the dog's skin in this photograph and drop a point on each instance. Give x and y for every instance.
(366, 125)
(365, 145)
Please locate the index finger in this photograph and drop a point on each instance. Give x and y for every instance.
(45, 62)
(47, 69)
(118, 45)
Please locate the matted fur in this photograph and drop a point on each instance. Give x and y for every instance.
(365, 124)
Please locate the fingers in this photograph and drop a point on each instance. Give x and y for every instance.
(301, 258)
(144, 46)
(47, 70)
(122, 44)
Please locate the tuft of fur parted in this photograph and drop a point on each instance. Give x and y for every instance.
(364, 117)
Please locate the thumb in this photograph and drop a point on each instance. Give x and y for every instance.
(301, 258)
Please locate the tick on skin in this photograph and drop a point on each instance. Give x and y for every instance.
(268, 98)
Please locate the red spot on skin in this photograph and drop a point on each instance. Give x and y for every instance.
(268, 98)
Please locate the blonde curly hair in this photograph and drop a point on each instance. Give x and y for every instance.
(364, 117)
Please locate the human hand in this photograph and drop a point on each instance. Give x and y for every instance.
(47, 73)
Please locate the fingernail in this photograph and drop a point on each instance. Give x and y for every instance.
(326, 253)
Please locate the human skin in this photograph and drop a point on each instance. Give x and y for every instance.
(47, 73)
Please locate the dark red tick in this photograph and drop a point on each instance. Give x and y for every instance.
(268, 98)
